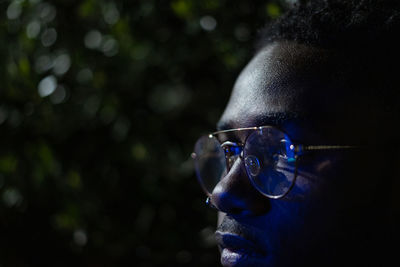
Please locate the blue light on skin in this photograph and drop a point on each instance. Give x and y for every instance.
(315, 223)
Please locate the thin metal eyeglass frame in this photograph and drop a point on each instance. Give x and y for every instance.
(298, 150)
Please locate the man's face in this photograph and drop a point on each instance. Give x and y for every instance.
(296, 88)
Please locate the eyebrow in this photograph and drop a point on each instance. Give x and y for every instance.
(273, 119)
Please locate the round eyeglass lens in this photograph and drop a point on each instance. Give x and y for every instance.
(270, 161)
(209, 161)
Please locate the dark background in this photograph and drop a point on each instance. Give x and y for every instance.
(100, 105)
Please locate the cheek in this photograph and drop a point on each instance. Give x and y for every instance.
(311, 181)
(323, 175)
(330, 190)
(317, 195)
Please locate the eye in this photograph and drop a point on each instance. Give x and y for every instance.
(286, 149)
(231, 149)
(236, 150)
(232, 152)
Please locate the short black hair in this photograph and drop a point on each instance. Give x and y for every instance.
(365, 36)
(337, 24)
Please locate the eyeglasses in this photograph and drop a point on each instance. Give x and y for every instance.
(270, 158)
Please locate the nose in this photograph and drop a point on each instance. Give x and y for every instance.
(235, 194)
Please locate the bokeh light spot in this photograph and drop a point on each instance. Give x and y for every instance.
(47, 86)
(110, 14)
(49, 37)
(80, 237)
(8, 164)
(12, 197)
(43, 64)
(33, 29)
(164, 99)
(139, 152)
(59, 95)
(208, 23)
(182, 8)
(14, 10)
(273, 10)
(47, 12)
(93, 39)
(61, 64)
(109, 46)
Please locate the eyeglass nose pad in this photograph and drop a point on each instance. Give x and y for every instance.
(252, 165)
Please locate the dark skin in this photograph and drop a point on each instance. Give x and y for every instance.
(330, 215)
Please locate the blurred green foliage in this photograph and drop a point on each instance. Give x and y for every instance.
(100, 104)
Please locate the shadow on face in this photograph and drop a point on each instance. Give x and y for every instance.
(343, 208)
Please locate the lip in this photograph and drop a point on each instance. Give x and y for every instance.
(236, 250)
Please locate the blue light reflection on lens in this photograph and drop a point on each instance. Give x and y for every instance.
(235, 150)
(289, 149)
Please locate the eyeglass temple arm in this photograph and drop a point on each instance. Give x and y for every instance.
(300, 149)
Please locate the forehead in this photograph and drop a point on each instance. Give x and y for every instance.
(273, 83)
(286, 83)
